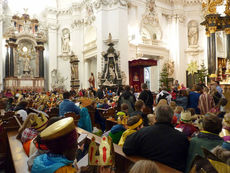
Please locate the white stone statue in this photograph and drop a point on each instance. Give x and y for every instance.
(123, 77)
(65, 41)
(99, 78)
(57, 80)
(193, 33)
(74, 71)
(112, 73)
(26, 65)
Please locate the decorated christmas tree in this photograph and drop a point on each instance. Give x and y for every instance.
(202, 73)
(164, 77)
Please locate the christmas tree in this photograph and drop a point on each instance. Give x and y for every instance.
(164, 77)
(202, 73)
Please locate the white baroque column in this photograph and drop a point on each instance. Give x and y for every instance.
(2, 56)
(86, 75)
(52, 45)
(113, 19)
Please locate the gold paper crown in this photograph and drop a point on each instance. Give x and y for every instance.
(106, 155)
(39, 121)
(58, 129)
(122, 120)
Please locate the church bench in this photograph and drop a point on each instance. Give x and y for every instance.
(8, 115)
(106, 113)
(74, 116)
(12, 123)
(123, 162)
(18, 155)
(110, 122)
(53, 112)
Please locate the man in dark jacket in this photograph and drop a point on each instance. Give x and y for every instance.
(147, 97)
(128, 98)
(100, 93)
(160, 142)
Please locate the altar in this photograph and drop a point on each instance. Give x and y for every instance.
(36, 84)
(24, 62)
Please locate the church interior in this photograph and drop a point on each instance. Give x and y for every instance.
(115, 86)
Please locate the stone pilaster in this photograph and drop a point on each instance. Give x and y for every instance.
(53, 50)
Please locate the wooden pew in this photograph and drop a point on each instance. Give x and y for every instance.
(106, 113)
(110, 122)
(123, 162)
(18, 155)
(8, 115)
(54, 112)
(74, 116)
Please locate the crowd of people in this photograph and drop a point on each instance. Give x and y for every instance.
(171, 127)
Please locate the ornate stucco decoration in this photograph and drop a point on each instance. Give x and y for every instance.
(53, 26)
(150, 14)
(25, 27)
(90, 17)
(109, 3)
(190, 2)
(150, 28)
(77, 23)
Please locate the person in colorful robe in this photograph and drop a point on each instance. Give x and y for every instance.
(61, 140)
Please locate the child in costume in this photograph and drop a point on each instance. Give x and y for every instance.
(117, 130)
(134, 123)
(33, 124)
(100, 159)
(186, 125)
(123, 112)
(61, 140)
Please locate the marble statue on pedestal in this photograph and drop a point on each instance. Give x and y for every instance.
(65, 41)
(193, 33)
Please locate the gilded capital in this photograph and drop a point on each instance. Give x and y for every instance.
(227, 30)
(212, 29)
(207, 33)
(227, 8)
